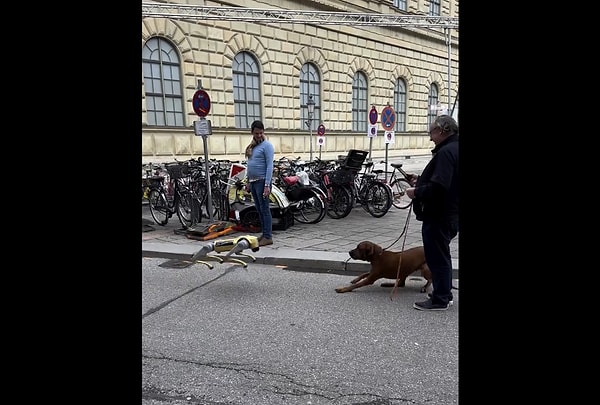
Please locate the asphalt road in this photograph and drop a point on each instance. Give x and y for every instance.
(264, 335)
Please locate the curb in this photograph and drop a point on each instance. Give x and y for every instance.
(320, 261)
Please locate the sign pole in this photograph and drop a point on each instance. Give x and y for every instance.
(208, 182)
(201, 105)
(310, 104)
(388, 120)
(321, 138)
(310, 137)
(373, 115)
(386, 161)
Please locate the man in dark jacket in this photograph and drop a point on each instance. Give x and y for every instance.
(435, 203)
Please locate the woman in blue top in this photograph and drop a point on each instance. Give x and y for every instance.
(259, 170)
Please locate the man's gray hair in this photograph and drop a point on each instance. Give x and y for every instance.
(447, 124)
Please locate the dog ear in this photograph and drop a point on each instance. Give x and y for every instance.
(376, 250)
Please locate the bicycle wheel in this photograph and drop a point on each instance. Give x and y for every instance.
(159, 207)
(339, 201)
(250, 218)
(321, 193)
(322, 196)
(399, 197)
(184, 206)
(378, 199)
(198, 188)
(220, 205)
(309, 208)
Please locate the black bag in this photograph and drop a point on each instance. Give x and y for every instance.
(282, 219)
(298, 192)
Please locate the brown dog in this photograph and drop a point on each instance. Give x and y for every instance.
(384, 264)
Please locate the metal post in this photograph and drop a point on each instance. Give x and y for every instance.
(386, 161)
(209, 206)
(448, 42)
(310, 104)
(310, 135)
(208, 188)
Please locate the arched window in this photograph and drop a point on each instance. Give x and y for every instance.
(400, 105)
(310, 86)
(432, 102)
(401, 4)
(246, 90)
(162, 82)
(434, 7)
(359, 103)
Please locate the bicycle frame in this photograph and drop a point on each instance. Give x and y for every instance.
(398, 185)
(374, 195)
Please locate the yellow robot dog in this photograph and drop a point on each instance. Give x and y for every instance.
(231, 246)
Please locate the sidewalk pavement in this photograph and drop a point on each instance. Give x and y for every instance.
(321, 247)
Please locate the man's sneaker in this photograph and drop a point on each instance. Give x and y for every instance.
(429, 306)
(265, 242)
(449, 302)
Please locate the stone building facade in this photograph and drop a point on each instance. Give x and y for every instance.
(423, 59)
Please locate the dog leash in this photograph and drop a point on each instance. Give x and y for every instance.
(403, 230)
(405, 233)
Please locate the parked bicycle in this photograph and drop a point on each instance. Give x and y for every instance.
(218, 173)
(372, 194)
(338, 198)
(172, 195)
(150, 174)
(365, 189)
(307, 201)
(398, 182)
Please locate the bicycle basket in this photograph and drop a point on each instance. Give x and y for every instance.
(354, 159)
(177, 171)
(341, 176)
(155, 181)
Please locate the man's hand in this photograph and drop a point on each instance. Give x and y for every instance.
(412, 178)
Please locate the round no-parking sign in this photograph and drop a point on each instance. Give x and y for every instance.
(373, 116)
(201, 103)
(388, 118)
(321, 130)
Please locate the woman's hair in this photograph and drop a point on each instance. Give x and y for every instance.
(447, 124)
(255, 125)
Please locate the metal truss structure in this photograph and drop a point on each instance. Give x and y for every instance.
(193, 13)
(203, 13)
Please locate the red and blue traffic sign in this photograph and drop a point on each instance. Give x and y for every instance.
(321, 130)
(373, 116)
(201, 103)
(388, 118)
